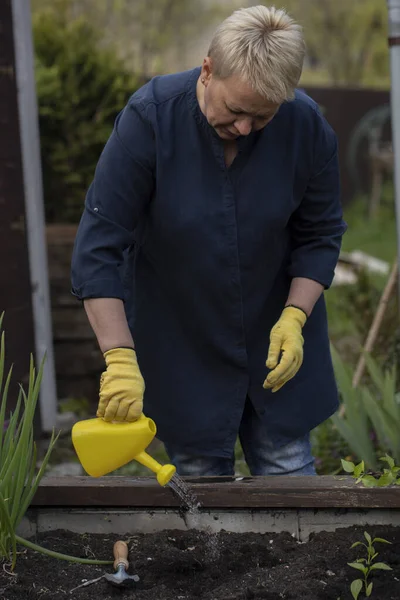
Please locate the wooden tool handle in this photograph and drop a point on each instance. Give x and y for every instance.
(120, 551)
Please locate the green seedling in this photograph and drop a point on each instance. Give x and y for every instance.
(389, 476)
(366, 566)
(19, 478)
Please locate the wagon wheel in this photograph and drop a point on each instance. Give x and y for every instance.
(369, 130)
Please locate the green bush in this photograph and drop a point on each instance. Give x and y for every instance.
(81, 87)
(371, 423)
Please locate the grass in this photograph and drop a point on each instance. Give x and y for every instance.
(376, 238)
(351, 308)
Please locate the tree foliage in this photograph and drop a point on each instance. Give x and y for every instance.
(83, 47)
(85, 54)
(347, 38)
(149, 34)
(81, 88)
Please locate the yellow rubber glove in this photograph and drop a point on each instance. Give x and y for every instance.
(121, 387)
(285, 355)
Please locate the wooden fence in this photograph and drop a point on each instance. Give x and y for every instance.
(78, 359)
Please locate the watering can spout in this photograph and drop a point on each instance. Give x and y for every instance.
(164, 472)
(103, 447)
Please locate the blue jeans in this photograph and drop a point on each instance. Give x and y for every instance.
(262, 459)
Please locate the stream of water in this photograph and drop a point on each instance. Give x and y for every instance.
(185, 494)
(190, 502)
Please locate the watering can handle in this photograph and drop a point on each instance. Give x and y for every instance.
(120, 552)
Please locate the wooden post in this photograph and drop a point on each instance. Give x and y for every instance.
(24, 294)
(15, 289)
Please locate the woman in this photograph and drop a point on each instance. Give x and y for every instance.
(210, 231)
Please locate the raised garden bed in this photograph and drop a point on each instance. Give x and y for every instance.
(266, 538)
(188, 565)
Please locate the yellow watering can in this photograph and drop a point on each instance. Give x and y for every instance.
(104, 447)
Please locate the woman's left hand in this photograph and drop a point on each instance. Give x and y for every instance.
(285, 355)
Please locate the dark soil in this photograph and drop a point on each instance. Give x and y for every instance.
(178, 565)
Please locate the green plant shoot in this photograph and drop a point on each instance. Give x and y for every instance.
(389, 476)
(18, 477)
(366, 566)
(368, 408)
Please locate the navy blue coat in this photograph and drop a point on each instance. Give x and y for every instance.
(203, 257)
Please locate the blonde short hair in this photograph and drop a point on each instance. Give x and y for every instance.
(264, 46)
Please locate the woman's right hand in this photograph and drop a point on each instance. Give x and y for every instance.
(121, 386)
